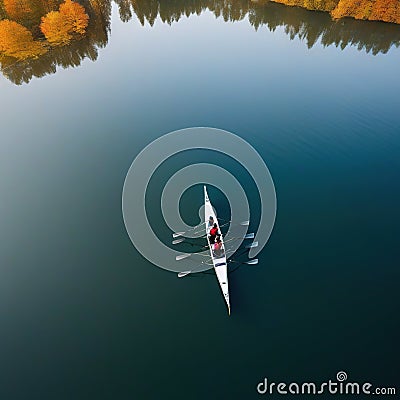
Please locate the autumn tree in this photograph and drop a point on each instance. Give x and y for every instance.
(76, 14)
(386, 10)
(29, 12)
(321, 5)
(17, 41)
(375, 10)
(17, 10)
(59, 26)
(57, 29)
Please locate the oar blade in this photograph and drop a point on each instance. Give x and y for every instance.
(249, 236)
(182, 256)
(177, 234)
(184, 273)
(177, 241)
(252, 262)
(252, 245)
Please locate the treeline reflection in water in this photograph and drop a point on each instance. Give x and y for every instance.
(309, 26)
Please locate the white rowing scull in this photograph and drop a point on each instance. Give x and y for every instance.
(219, 260)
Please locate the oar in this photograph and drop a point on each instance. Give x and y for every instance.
(251, 262)
(183, 274)
(177, 241)
(178, 234)
(244, 223)
(181, 240)
(248, 236)
(186, 273)
(231, 220)
(180, 257)
(249, 246)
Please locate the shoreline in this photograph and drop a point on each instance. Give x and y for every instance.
(367, 10)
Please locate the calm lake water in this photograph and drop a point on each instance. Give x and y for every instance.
(84, 316)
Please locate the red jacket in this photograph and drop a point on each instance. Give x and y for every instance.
(213, 231)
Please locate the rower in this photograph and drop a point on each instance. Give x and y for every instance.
(211, 221)
(213, 233)
(217, 246)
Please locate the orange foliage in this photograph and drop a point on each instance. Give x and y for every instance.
(59, 26)
(322, 5)
(374, 10)
(386, 10)
(28, 12)
(17, 9)
(349, 8)
(56, 28)
(76, 14)
(17, 41)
